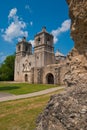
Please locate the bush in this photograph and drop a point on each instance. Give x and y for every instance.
(7, 69)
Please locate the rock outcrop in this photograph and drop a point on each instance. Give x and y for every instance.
(68, 111)
(77, 58)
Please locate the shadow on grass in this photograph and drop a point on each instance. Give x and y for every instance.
(8, 88)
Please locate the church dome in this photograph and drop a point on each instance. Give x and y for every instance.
(58, 54)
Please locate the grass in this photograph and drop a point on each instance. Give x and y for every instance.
(22, 114)
(23, 88)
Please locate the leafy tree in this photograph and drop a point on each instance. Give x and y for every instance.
(7, 69)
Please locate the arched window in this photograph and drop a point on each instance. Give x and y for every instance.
(39, 40)
(19, 48)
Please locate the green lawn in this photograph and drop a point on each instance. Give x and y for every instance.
(22, 114)
(23, 88)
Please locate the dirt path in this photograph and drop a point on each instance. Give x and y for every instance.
(9, 97)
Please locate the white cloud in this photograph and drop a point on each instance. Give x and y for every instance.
(12, 12)
(19, 39)
(1, 53)
(27, 7)
(1, 30)
(2, 57)
(16, 28)
(31, 23)
(32, 42)
(65, 26)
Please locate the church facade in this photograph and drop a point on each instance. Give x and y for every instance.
(42, 66)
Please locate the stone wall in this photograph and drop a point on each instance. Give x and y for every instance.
(23, 66)
(57, 70)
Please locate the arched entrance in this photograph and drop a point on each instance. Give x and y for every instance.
(50, 78)
(26, 78)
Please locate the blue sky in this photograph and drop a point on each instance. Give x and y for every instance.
(20, 18)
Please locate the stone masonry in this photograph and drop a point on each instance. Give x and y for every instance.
(41, 66)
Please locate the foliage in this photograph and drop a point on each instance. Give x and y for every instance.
(23, 88)
(7, 69)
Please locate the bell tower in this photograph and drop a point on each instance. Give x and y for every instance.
(44, 49)
(23, 48)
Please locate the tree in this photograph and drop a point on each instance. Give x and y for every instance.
(7, 69)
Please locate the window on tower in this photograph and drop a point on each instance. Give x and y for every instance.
(48, 41)
(39, 40)
(26, 48)
(19, 48)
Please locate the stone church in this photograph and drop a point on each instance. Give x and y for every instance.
(42, 66)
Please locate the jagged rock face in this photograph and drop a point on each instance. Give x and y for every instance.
(78, 15)
(76, 69)
(77, 58)
(68, 111)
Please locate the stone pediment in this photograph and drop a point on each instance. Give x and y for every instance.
(26, 66)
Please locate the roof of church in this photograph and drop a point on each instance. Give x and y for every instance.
(43, 31)
(59, 54)
(23, 40)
